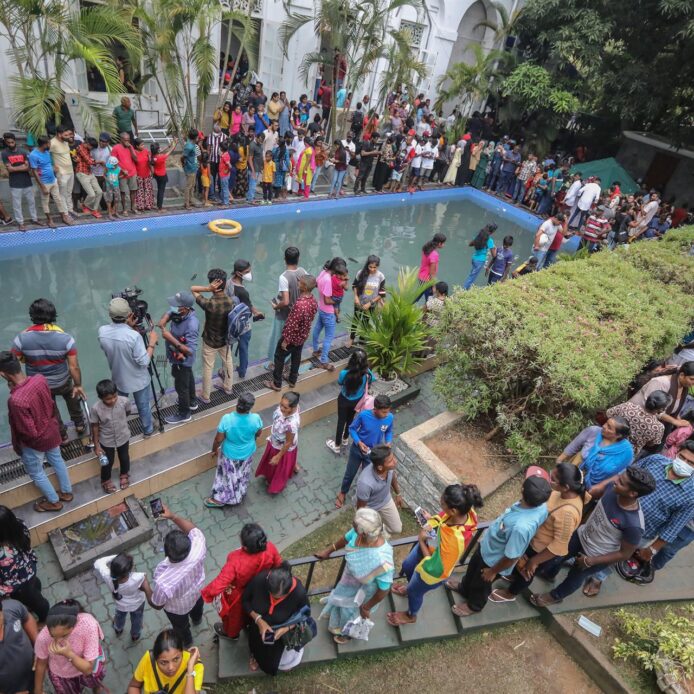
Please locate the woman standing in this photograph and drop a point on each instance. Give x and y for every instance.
(18, 579)
(248, 123)
(354, 380)
(305, 167)
(280, 155)
(274, 108)
(270, 599)
(69, 647)
(482, 244)
(369, 288)
(475, 156)
(441, 544)
(233, 448)
(278, 463)
(236, 122)
(429, 263)
(223, 117)
(340, 162)
(449, 178)
(285, 115)
(368, 573)
(159, 169)
(383, 165)
(480, 174)
(605, 451)
(241, 187)
(144, 198)
(464, 168)
(168, 667)
(256, 554)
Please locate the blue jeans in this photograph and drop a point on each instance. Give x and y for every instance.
(475, 270)
(540, 255)
(252, 182)
(136, 619)
(416, 587)
(316, 173)
(506, 182)
(519, 191)
(355, 461)
(224, 183)
(576, 577)
(242, 351)
(336, 184)
(33, 463)
(550, 258)
(325, 321)
(142, 402)
(686, 535)
(277, 327)
(545, 205)
(493, 178)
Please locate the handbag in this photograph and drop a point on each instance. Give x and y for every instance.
(304, 631)
(366, 402)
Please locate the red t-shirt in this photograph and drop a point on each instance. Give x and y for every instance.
(142, 159)
(556, 243)
(338, 286)
(125, 159)
(159, 161)
(225, 165)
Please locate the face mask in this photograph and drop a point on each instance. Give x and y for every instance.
(248, 277)
(682, 468)
(173, 310)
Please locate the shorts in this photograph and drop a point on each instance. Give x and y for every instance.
(425, 173)
(396, 175)
(110, 194)
(129, 183)
(416, 170)
(205, 181)
(337, 300)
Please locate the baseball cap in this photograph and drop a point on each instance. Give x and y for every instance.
(184, 299)
(536, 490)
(112, 162)
(537, 471)
(104, 137)
(118, 308)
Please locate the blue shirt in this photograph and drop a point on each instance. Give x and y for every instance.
(187, 332)
(504, 257)
(510, 534)
(340, 97)
(127, 356)
(190, 160)
(481, 255)
(43, 162)
(371, 430)
(240, 431)
(360, 391)
(671, 506)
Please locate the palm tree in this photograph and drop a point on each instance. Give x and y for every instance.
(465, 83)
(246, 33)
(506, 25)
(46, 39)
(403, 69)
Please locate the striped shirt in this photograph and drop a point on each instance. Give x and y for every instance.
(45, 349)
(177, 585)
(213, 142)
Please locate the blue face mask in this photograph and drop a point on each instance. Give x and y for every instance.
(173, 309)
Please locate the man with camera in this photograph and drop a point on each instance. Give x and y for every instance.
(181, 346)
(128, 358)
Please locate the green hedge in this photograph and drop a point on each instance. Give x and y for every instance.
(541, 354)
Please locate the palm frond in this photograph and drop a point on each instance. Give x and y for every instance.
(37, 100)
(289, 27)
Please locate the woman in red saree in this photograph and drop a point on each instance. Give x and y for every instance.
(255, 555)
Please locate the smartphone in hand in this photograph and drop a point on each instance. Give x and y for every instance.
(156, 507)
(420, 516)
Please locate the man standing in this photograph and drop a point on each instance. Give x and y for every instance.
(47, 350)
(16, 161)
(35, 433)
(179, 578)
(588, 195)
(544, 237)
(271, 137)
(86, 177)
(366, 160)
(126, 156)
(287, 294)
(510, 161)
(101, 155)
(128, 358)
(18, 631)
(571, 196)
(326, 312)
(181, 347)
(258, 96)
(190, 162)
(44, 172)
(374, 485)
(214, 140)
(256, 157)
(555, 246)
(125, 118)
(214, 333)
(60, 151)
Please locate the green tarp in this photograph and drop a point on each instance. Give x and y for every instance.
(609, 170)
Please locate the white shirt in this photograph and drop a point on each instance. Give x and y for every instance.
(270, 141)
(298, 145)
(572, 193)
(417, 161)
(547, 233)
(429, 154)
(350, 147)
(421, 128)
(131, 595)
(589, 194)
(648, 211)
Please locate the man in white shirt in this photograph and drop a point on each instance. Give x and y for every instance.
(416, 163)
(588, 195)
(348, 144)
(572, 192)
(298, 144)
(60, 151)
(430, 151)
(648, 211)
(544, 236)
(272, 137)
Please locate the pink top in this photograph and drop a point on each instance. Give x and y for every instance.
(675, 440)
(236, 120)
(324, 282)
(427, 260)
(85, 640)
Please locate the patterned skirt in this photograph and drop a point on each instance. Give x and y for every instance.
(76, 685)
(144, 197)
(241, 186)
(231, 480)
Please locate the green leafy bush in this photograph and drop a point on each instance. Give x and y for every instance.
(541, 354)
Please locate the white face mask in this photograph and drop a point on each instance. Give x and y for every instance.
(682, 468)
(248, 277)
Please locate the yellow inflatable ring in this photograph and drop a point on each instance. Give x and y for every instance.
(225, 227)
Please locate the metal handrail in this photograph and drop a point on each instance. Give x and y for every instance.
(340, 554)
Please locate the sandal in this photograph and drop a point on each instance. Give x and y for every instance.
(340, 500)
(45, 506)
(339, 639)
(65, 497)
(253, 664)
(211, 502)
(592, 588)
(124, 481)
(109, 487)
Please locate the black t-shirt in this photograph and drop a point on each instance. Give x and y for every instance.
(16, 651)
(17, 157)
(314, 128)
(366, 162)
(239, 291)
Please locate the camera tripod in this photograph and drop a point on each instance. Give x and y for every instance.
(146, 327)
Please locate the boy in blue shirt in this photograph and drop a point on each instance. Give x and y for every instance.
(503, 544)
(43, 170)
(369, 428)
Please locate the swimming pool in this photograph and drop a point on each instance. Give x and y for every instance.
(79, 267)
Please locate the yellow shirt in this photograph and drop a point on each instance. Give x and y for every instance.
(60, 151)
(145, 674)
(268, 171)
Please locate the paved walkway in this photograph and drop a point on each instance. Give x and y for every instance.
(306, 502)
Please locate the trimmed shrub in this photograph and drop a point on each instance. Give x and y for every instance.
(541, 354)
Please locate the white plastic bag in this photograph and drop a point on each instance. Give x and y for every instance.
(358, 628)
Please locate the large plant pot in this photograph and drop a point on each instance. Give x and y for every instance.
(399, 390)
(668, 679)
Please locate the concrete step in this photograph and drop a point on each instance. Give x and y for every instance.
(16, 489)
(163, 468)
(382, 637)
(436, 620)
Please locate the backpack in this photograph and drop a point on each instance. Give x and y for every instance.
(357, 122)
(239, 321)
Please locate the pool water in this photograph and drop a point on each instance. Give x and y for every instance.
(80, 281)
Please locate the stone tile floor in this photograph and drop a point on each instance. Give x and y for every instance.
(306, 502)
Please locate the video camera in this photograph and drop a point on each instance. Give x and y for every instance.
(138, 306)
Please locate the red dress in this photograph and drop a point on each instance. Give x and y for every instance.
(239, 569)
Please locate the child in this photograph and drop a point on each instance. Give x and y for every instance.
(340, 281)
(112, 177)
(530, 265)
(128, 590)
(278, 463)
(541, 189)
(435, 304)
(268, 177)
(398, 171)
(109, 420)
(205, 178)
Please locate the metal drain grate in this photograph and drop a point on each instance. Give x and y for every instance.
(13, 470)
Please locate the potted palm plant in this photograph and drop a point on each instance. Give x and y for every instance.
(395, 335)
